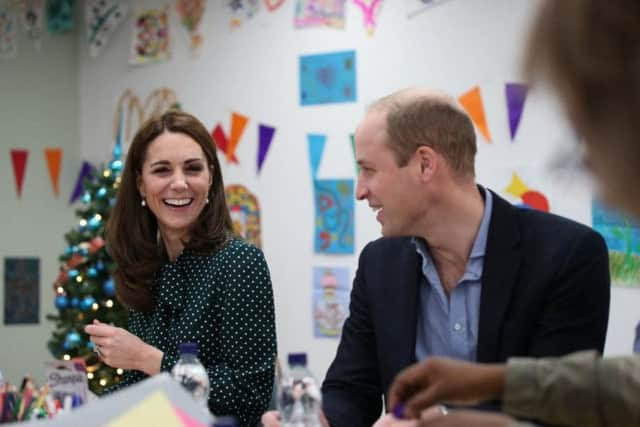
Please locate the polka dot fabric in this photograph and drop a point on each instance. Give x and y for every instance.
(223, 302)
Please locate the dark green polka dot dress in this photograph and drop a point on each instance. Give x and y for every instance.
(223, 302)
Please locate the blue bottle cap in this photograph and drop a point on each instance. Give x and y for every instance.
(297, 359)
(226, 421)
(188, 348)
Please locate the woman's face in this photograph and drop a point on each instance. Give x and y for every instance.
(175, 182)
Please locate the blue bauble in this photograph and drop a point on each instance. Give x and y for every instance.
(100, 265)
(101, 192)
(61, 302)
(84, 252)
(68, 250)
(117, 150)
(116, 166)
(94, 222)
(73, 273)
(86, 198)
(86, 303)
(109, 287)
(72, 340)
(75, 302)
(92, 272)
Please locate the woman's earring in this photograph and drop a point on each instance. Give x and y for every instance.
(143, 202)
(207, 201)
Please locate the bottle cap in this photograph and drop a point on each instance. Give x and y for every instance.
(188, 348)
(297, 359)
(226, 421)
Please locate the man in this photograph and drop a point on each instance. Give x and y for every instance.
(459, 272)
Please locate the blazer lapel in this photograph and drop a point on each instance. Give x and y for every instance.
(501, 264)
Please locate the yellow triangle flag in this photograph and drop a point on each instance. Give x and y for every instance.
(155, 410)
(516, 187)
(54, 162)
(472, 102)
(238, 123)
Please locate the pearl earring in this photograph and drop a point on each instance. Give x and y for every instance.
(207, 201)
(143, 202)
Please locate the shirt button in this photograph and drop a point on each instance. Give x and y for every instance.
(457, 326)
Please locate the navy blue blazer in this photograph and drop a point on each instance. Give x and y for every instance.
(545, 292)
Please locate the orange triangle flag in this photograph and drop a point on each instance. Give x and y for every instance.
(54, 161)
(472, 103)
(238, 123)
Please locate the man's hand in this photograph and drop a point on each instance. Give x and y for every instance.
(437, 380)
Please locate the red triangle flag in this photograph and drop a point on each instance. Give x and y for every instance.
(19, 160)
(220, 138)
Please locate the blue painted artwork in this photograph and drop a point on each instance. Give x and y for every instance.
(328, 78)
(622, 236)
(331, 287)
(334, 206)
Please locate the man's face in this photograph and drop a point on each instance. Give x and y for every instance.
(391, 191)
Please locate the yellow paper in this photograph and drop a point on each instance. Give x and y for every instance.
(516, 187)
(155, 410)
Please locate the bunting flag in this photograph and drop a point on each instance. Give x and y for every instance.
(220, 138)
(19, 161)
(273, 4)
(316, 147)
(191, 12)
(265, 136)
(59, 16)
(516, 94)
(33, 20)
(238, 123)
(8, 46)
(103, 17)
(472, 102)
(85, 171)
(54, 161)
(370, 9)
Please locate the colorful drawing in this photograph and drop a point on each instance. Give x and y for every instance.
(528, 197)
(622, 236)
(150, 42)
(328, 78)
(191, 12)
(471, 101)
(334, 224)
(242, 10)
(416, 7)
(516, 94)
(59, 16)
(21, 291)
(370, 9)
(313, 13)
(8, 46)
(330, 300)
(245, 213)
(33, 20)
(103, 17)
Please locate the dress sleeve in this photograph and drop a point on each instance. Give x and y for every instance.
(579, 389)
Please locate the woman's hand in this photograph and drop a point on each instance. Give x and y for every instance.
(119, 348)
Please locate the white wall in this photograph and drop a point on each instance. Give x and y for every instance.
(38, 109)
(254, 70)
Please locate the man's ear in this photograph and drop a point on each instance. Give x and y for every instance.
(427, 160)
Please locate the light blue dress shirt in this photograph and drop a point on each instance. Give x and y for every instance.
(449, 327)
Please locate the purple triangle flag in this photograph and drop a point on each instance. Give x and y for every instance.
(85, 170)
(265, 136)
(516, 95)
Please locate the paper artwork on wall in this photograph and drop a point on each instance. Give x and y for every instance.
(191, 13)
(84, 173)
(103, 17)
(331, 287)
(242, 10)
(314, 13)
(265, 137)
(150, 42)
(245, 213)
(229, 144)
(471, 101)
(8, 44)
(516, 94)
(19, 163)
(622, 236)
(526, 196)
(33, 20)
(53, 157)
(21, 291)
(328, 78)
(370, 10)
(59, 16)
(416, 7)
(273, 4)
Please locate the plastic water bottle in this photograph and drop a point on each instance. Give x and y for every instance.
(226, 421)
(299, 399)
(189, 372)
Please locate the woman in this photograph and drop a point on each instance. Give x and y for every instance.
(589, 50)
(184, 275)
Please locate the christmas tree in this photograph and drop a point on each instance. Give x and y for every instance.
(84, 289)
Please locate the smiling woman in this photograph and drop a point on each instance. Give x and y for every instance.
(183, 273)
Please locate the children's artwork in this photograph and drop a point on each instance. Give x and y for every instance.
(273, 4)
(330, 300)
(59, 16)
(33, 20)
(19, 162)
(622, 236)
(8, 46)
(245, 213)
(370, 9)
(416, 7)
(328, 78)
(528, 198)
(103, 17)
(313, 13)
(242, 10)
(471, 101)
(334, 225)
(516, 94)
(265, 136)
(54, 162)
(150, 41)
(191, 12)
(21, 291)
